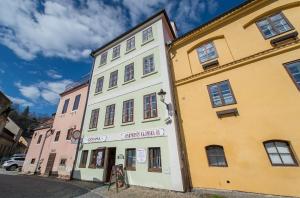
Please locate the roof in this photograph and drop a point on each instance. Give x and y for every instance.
(45, 124)
(213, 20)
(132, 29)
(69, 88)
(4, 98)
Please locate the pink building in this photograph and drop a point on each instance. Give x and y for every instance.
(51, 151)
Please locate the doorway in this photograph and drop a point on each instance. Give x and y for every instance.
(110, 162)
(50, 163)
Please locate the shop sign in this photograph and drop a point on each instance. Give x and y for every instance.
(141, 155)
(144, 134)
(93, 139)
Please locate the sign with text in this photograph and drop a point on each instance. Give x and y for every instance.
(141, 155)
(143, 134)
(93, 139)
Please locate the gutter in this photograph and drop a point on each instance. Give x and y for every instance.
(82, 122)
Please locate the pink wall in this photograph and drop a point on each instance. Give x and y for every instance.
(63, 147)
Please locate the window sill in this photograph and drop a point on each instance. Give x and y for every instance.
(93, 129)
(115, 58)
(112, 88)
(148, 41)
(210, 64)
(151, 119)
(130, 169)
(109, 126)
(129, 81)
(227, 113)
(130, 50)
(157, 170)
(102, 64)
(149, 74)
(127, 123)
(284, 38)
(97, 93)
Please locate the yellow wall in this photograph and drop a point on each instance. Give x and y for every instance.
(267, 100)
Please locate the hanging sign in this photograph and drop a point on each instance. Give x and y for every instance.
(141, 155)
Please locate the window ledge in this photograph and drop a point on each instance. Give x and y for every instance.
(210, 64)
(151, 119)
(148, 41)
(112, 87)
(109, 126)
(156, 170)
(227, 113)
(149, 74)
(102, 64)
(127, 123)
(130, 50)
(115, 58)
(93, 129)
(284, 38)
(129, 81)
(130, 169)
(97, 93)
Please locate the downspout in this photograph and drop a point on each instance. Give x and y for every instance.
(82, 122)
(186, 172)
(38, 162)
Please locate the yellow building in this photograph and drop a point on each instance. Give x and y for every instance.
(237, 83)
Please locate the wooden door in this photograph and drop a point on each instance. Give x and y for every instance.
(50, 163)
(111, 159)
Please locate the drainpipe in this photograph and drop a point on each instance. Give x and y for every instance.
(183, 152)
(82, 122)
(46, 136)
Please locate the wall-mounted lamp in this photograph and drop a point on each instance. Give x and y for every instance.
(162, 95)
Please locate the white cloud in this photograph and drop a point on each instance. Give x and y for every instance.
(60, 29)
(20, 101)
(32, 92)
(2, 71)
(53, 74)
(69, 29)
(45, 90)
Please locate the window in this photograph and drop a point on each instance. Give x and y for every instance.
(129, 72)
(84, 155)
(99, 84)
(274, 25)
(207, 52)
(221, 94)
(130, 45)
(280, 153)
(128, 108)
(150, 106)
(76, 102)
(39, 140)
(130, 159)
(215, 155)
(94, 119)
(148, 65)
(154, 160)
(69, 134)
(109, 115)
(113, 80)
(57, 136)
(97, 158)
(32, 161)
(147, 34)
(103, 58)
(65, 107)
(116, 52)
(293, 69)
(63, 162)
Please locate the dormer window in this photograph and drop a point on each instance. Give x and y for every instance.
(274, 25)
(103, 58)
(207, 52)
(116, 52)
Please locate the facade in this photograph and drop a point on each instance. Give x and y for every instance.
(9, 138)
(125, 122)
(56, 153)
(237, 82)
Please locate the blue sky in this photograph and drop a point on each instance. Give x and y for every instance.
(45, 45)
